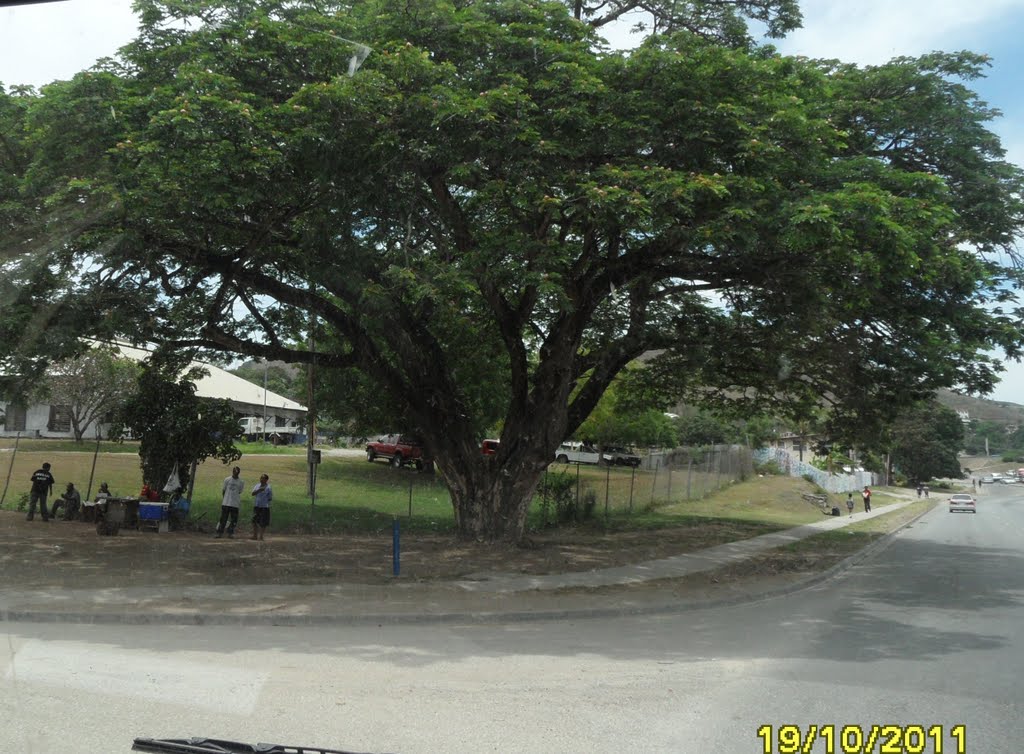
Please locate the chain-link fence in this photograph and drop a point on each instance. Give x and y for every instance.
(581, 491)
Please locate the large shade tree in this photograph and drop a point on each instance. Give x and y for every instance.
(925, 439)
(491, 214)
(176, 428)
(90, 387)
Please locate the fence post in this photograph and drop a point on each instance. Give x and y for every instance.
(92, 471)
(632, 479)
(689, 477)
(707, 473)
(410, 498)
(668, 494)
(17, 439)
(607, 489)
(654, 483)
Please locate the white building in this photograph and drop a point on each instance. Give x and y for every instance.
(250, 401)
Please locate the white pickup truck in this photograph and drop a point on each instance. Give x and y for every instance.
(576, 453)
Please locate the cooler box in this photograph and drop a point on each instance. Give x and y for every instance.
(154, 514)
(152, 511)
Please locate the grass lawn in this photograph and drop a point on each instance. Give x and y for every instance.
(69, 446)
(771, 499)
(356, 496)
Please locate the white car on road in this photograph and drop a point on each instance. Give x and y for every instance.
(963, 502)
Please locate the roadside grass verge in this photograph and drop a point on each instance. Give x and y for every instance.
(822, 551)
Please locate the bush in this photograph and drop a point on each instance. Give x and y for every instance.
(558, 504)
(768, 468)
(557, 497)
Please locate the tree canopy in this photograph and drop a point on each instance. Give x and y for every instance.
(485, 214)
(91, 386)
(926, 439)
(175, 427)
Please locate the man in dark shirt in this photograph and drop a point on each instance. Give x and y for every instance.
(71, 500)
(42, 486)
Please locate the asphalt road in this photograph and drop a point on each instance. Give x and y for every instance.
(926, 633)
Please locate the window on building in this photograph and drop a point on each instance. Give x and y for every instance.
(280, 421)
(15, 417)
(60, 419)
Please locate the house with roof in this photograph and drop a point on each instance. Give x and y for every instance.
(260, 412)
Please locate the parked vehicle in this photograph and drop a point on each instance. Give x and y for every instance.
(962, 502)
(489, 447)
(574, 452)
(987, 479)
(397, 450)
(620, 456)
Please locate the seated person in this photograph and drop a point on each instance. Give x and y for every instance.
(148, 494)
(71, 500)
(103, 494)
(89, 506)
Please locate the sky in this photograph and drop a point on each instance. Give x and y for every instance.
(43, 42)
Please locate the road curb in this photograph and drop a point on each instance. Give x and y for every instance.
(475, 617)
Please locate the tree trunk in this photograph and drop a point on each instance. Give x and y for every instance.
(491, 499)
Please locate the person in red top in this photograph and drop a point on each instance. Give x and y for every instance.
(866, 494)
(149, 494)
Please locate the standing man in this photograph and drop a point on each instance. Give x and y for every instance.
(42, 485)
(866, 494)
(230, 502)
(263, 494)
(71, 500)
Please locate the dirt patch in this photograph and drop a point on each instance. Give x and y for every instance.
(73, 555)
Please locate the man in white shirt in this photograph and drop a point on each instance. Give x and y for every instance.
(230, 503)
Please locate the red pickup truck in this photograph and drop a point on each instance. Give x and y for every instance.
(397, 450)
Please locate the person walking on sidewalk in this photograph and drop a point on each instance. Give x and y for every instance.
(866, 495)
(262, 494)
(849, 502)
(42, 486)
(231, 501)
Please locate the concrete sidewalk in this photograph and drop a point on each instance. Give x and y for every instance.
(486, 597)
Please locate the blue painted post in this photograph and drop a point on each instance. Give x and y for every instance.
(396, 547)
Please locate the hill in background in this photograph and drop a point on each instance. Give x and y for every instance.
(983, 409)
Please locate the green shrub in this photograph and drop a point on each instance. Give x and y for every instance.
(557, 499)
(768, 468)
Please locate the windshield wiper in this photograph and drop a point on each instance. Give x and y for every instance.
(216, 746)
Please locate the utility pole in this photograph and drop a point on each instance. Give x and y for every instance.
(266, 365)
(311, 403)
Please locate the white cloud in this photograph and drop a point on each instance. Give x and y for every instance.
(873, 31)
(49, 41)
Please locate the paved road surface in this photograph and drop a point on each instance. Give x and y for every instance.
(927, 633)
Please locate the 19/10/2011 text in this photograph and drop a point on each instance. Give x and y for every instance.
(855, 739)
